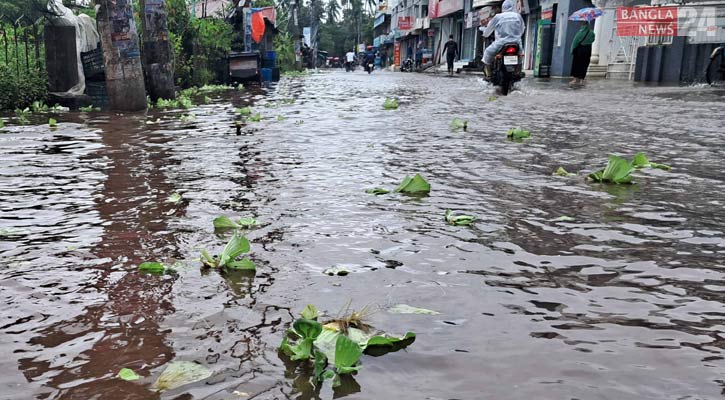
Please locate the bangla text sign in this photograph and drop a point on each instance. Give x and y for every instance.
(405, 23)
(647, 21)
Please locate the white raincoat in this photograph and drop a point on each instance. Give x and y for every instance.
(509, 27)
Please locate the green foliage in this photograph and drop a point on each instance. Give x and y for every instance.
(221, 223)
(152, 267)
(284, 45)
(391, 104)
(180, 373)
(255, 118)
(21, 90)
(562, 172)
(641, 161)
(347, 355)
(22, 115)
(518, 134)
(458, 124)
(89, 109)
(414, 185)
(128, 375)
(458, 219)
(406, 309)
(174, 198)
(52, 123)
(618, 170)
(310, 312)
(236, 246)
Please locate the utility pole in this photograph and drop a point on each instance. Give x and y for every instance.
(121, 54)
(157, 55)
(296, 33)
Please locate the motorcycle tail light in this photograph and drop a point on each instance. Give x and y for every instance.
(511, 50)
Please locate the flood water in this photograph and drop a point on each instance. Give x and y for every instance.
(622, 301)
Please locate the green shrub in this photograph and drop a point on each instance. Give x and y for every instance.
(21, 91)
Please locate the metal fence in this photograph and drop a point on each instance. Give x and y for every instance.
(21, 47)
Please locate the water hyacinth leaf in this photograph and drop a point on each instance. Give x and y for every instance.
(2, 123)
(640, 160)
(518, 134)
(492, 98)
(208, 260)
(336, 270)
(281, 118)
(391, 104)
(310, 312)
(562, 172)
(243, 265)
(180, 373)
(347, 355)
(256, 117)
(174, 198)
(52, 123)
(128, 374)
(188, 118)
(660, 166)
(618, 171)
(307, 328)
(152, 267)
(416, 184)
(244, 111)
(300, 351)
(319, 366)
(377, 191)
(236, 246)
(389, 341)
(457, 124)
(247, 222)
(458, 220)
(224, 222)
(406, 309)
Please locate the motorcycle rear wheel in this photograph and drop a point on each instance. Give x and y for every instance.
(715, 73)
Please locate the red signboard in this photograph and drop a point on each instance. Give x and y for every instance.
(647, 21)
(405, 23)
(396, 53)
(441, 8)
(547, 14)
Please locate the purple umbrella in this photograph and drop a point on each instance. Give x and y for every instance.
(586, 14)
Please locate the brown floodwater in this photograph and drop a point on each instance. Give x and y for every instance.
(623, 300)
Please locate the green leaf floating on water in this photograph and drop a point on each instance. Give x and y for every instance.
(518, 134)
(458, 219)
(377, 191)
(180, 373)
(174, 198)
(256, 117)
(52, 123)
(236, 246)
(310, 312)
(307, 328)
(245, 111)
(414, 185)
(562, 172)
(641, 161)
(406, 309)
(128, 374)
(564, 218)
(281, 118)
(152, 267)
(347, 355)
(2, 123)
(336, 270)
(320, 372)
(458, 124)
(243, 265)
(618, 171)
(391, 104)
(224, 222)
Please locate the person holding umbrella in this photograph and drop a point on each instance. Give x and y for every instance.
(581, 47)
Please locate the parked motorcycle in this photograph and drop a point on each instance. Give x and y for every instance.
(507, 68)
(407, 66)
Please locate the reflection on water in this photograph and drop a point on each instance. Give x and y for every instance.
(622, 299)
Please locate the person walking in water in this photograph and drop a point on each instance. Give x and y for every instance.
(451, 50)
(581, 49)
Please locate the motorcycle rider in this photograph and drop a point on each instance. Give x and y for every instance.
(369, 59)
(349, 59)
(509, 27)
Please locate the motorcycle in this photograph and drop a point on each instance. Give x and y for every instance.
(507, 68)
(369, 66)
(349, 66)
(407, 66)
(715, 72)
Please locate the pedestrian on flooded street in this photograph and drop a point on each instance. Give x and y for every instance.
(581, 49)
(451, 50)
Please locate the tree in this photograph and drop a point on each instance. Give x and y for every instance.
(333, 11)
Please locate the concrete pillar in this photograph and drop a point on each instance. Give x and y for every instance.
(157, 55)
(597, 41)
(122, 56)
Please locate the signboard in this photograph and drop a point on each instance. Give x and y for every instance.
(396, 53)
(547, 14)
(379, 20)
(307, 33)
(405, 23)
(441, 8)
(361, 48)
(647, 21)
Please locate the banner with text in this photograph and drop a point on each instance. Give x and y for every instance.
(702, 24)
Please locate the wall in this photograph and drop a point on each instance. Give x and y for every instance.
(678, 62)
(564, 35)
